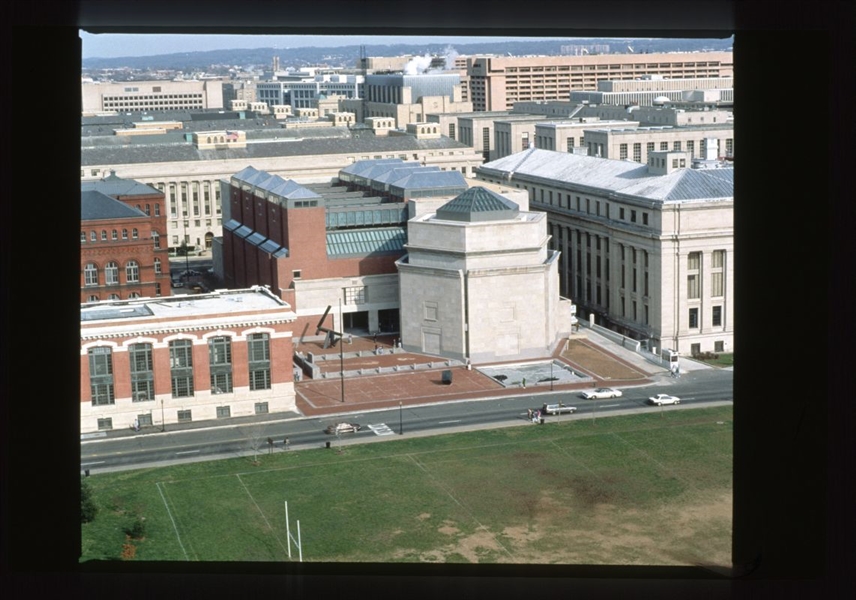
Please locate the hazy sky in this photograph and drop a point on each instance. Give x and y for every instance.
(111, 45)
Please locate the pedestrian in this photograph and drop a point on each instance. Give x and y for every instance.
(270, 445)
(285, 443)
(136, 424)
(524, 382)
(350, 338)
(529, 413)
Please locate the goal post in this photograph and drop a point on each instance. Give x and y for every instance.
(290, 538)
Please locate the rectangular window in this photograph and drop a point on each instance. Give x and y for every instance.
(716, 284)
(694, 318)
(258, 345)
(717, 316)
(644, 218)
(224, 412)
(105, 424)
(719, 346)
(621, 213)
(220, 364)
(184, 416)
(637, 152)
(649, 147)
(693, 261)
(355, 295)
(181, 367)
(622, 152)
(101, 375)
(664, 146)
(261, 408)
(142, 372)
(692, 287)
(676, 146)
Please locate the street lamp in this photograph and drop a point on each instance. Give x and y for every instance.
(551, 373)
(400, 421)
(342, 350)
(163, 423)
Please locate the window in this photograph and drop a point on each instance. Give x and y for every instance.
(90, 274)
(145, 420)
(693, 261)
(632, 216)
(637, 152)
(258, 345)
(184, 416)
(157, 289)
(676, 146)
(111, 273)
(644, 218)
(716, 275)
(719, 346)
(649, 148)
(621, 213)
(691, 148)
(142, 372)
(113, 297)
(124, 234)
(148, 209)
(695, 349)
(114, 235)
(296, 274)
(93, 237)
(224, 412)
(261, 408)
(158, 265)
(664, 145)
(101, 375)
(694, 319)
(622, 152)
(157, 210)
(181, 367)
(83, 237)
(220, 361)
(156, 238)
(430, 311)
(104, 424)
(692, 287)
(103, 235)
(355, 295)
(93, 298)
(132, 272)
(717, 316)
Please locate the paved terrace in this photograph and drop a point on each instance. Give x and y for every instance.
(412, 387)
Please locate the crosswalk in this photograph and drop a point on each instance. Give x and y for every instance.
(381, 429)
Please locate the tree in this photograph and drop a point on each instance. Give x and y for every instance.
(256, 440)
(88, 508)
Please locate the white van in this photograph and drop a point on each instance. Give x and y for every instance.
(558, 409)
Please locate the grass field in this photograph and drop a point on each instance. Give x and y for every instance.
(647, 489)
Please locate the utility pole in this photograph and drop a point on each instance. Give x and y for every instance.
(400, 421)
(342, 351)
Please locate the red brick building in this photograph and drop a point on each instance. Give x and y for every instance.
(122, 254)
(185, 358)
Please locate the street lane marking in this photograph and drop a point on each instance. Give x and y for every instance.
(100, 462)
(609, 405)
(447, 422)
(188, 452)
(381, 429)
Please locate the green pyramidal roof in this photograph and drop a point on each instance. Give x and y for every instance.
(478, 204)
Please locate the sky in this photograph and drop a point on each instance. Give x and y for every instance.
(112, 45)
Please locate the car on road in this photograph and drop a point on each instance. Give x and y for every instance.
(558, 409)
(660, 399)
(338, 428)
(601, 393)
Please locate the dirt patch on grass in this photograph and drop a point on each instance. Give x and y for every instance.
(599, 363)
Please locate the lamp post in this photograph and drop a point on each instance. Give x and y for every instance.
(551, 373)
(400, 421)
(342, 350)
(163, 423)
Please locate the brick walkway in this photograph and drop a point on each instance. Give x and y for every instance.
(409, 387)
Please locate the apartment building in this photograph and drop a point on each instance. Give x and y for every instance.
(497, 82)
(647, 249)
(185, 358)
(121, 253)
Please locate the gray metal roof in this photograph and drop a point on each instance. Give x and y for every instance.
(399, 172)
(96, 206)
(355, 144)
(619, 176)
(478, 204)
(99, 313)
(361, 166)
(112, 185)
(430, 179)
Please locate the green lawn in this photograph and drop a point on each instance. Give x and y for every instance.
(653, 488)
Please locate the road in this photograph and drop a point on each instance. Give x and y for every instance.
(223, 441)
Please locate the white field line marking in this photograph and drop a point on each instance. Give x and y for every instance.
(474, 518)
(656, 462)
(575, 459)
(169, 512)
(262, 514)
(188, 452)
(100, 462)
(447, 422)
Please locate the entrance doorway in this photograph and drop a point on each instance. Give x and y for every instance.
(355, 321)
(209, 240)
(387, 320)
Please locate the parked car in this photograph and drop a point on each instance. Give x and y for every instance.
(177, 283)
(660, 399)
(338, 428)
(558, 409)
(601, 393)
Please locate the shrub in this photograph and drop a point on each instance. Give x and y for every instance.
(137, 529)
(88, 508)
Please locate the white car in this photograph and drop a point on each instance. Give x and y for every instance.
(661, 399)
(601, 393)
(340, 428)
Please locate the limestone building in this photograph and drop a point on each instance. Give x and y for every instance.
(153, 96)
(648, 249)
(479, 282)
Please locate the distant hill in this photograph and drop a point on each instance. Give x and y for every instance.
(347, 56)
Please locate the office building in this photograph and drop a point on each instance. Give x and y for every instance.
(151, 96)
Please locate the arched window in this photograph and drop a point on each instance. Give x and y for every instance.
(82, 236)
(134, 233)
(156, 238)
(111, 273)
(124, 234)
(115, 235)
(103, 235)
(114, 297)
(157, 265)
(138, 207)
(93, 237)
(134, 295)
(90, 274)
(132, 272)
(148, 209)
